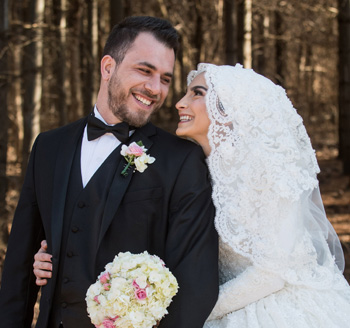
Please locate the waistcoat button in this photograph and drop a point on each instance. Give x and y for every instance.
(81, 204)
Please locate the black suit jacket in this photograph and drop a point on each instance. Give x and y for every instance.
(166, 210)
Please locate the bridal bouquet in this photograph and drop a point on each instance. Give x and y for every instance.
(134, 291)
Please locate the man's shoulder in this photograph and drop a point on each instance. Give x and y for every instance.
(54, 137)
(170, 139)
(169, 147)
(66, 128)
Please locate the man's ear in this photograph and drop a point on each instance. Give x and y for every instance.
(107, 67)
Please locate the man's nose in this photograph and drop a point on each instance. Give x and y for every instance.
(153, 85)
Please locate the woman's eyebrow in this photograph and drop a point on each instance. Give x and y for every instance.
(198, 87)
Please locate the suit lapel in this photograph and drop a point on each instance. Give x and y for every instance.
(120, 183)
(64, 162)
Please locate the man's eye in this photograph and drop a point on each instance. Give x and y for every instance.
(198, 93)
(166, 80)
(144, 70)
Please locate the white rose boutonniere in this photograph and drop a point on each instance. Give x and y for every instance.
(135, 154)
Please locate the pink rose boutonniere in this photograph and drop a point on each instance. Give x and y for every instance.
(135, 154)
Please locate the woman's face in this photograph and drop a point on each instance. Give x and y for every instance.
(194, 121)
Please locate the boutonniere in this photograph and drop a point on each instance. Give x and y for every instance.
(135, 154)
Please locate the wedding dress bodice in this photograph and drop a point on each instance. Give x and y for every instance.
(231, 264)
(241, 283)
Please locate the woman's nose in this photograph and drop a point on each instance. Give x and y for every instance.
(181, 104)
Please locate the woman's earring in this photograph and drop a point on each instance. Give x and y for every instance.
(220, 107)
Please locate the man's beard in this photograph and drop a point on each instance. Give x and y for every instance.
(117, 104)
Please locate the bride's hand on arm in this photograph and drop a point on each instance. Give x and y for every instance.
(42, 266)
(250, 286)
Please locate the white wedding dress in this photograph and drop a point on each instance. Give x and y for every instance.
(242, 302)
(280, 259)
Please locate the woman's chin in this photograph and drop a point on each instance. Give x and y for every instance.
(180, 133)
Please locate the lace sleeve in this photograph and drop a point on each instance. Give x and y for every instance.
(257, 281)
(250, 286)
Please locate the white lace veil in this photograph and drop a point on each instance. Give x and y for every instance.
(263, 170)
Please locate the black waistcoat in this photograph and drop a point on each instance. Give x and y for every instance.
(82, 221)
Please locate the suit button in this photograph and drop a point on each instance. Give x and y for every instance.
(81, 204)
(69, 254)
(65, 280)
(64, 305)
(75, 229)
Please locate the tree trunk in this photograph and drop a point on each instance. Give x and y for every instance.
(260, 42)
(309, 82)
(33, 77)
(344, 84)
(163, 9)
(240, 31)
(198, 34)
(49, 87)
(268, 46)
(76, 109)
(230, 32)
(62, 80)
(116, 11)
(280, 48)
(247, 41)
(3, 119)
(15, 92)
(93, 78)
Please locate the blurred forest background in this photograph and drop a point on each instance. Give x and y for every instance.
(49, 73)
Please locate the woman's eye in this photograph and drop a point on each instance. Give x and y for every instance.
(198, 93)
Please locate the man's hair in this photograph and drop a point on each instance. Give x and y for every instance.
(124, 34)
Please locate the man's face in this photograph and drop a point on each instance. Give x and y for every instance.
(140, 84)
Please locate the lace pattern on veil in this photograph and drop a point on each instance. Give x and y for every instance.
(263, 170)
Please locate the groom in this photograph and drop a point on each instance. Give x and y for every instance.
(76, 198)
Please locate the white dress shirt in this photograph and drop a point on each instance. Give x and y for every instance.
(95, 152)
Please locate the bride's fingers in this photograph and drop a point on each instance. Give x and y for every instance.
(42, 268)
(42, 274)
(41, 265)
(43, 245)
(42, 257)
(41, 282)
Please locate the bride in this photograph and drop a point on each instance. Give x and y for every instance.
(281, 261)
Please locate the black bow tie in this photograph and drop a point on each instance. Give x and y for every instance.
(96, 128)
